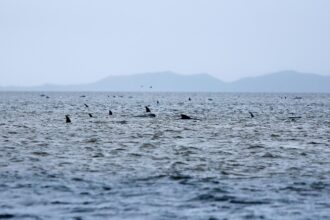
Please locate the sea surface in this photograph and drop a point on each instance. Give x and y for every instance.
(223, 164)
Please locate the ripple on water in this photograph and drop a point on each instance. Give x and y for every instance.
(224, 166)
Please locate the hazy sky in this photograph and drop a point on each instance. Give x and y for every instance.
(78, 41)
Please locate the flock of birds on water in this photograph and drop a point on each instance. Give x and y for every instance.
(152, 115)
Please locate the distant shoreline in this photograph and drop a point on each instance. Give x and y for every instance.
(279, 82)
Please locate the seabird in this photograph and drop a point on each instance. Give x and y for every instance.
(189, 99)
(86, 105)
(90, 115)
(147, 109)
(110, 112)
(252, 116)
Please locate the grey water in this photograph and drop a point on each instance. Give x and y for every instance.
(223, 164)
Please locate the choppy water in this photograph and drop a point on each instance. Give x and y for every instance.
(226, 165)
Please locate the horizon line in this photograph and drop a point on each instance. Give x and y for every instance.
(164, 71)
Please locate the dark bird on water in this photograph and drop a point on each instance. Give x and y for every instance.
(183, 116)
(90, 115)
(189, 99)
(110, 112)
(67, 119)
(157, 102)
(86, 105)
(147, 109)
(251, 114)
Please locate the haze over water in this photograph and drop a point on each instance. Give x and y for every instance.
(225, 165)
(82, 41)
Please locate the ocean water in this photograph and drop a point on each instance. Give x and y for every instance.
(221, 165)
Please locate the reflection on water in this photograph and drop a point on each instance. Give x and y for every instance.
(223, 165)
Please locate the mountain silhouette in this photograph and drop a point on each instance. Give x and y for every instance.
(284, 81)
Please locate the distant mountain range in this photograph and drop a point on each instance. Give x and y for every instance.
(285, 81)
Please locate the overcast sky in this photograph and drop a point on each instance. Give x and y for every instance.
(78, 41)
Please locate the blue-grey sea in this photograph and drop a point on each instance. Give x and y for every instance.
(222, 164)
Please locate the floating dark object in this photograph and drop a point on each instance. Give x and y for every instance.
(82, 96)
(147, 109)
(150, 115)
(210, 99)
(86, 105)
(297, 97)
(183, 116)
(157, 102)
(150, 87)
(189, 99)
(110, 112)
(251, 114)
(294, 117)
(90, 115)
(67, 119)
(46, 96)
